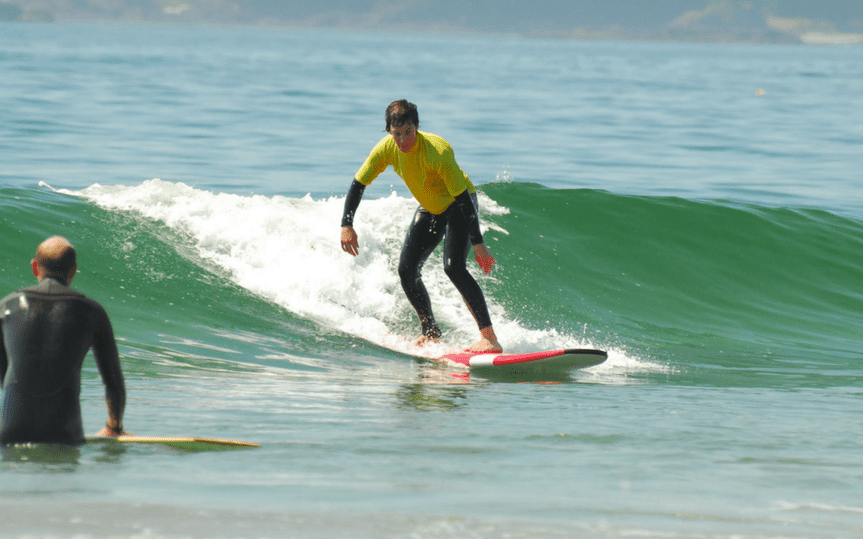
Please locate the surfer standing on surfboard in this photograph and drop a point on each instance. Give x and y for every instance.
(447, 210)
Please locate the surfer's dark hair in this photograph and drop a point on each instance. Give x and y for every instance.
(401, 112)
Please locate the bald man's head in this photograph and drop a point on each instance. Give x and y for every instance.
(55, 258)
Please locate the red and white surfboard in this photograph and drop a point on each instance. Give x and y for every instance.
(549, 360)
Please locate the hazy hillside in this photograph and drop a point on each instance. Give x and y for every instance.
(689, 20)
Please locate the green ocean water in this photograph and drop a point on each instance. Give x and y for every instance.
(709, 284)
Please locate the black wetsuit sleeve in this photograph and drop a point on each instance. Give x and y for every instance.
(467, 208)
(108, 360)
(352, 202)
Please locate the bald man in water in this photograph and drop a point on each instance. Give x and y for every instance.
(46, 331)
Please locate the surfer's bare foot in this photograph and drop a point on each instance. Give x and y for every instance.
(431, 333)
(486, 345)
(488, 342)
(424, 340)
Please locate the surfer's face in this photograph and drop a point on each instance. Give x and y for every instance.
(405, 136)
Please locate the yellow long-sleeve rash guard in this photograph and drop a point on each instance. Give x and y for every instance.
(429, 170)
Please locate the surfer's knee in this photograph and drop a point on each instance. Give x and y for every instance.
(456, 270)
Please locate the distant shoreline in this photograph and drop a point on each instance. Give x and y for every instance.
(774, 30)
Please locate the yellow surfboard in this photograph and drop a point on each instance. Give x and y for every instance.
(178, 442)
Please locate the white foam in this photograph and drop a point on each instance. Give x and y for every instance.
(287, 250)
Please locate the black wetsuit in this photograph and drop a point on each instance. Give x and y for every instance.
(459, 225)
(47, 330)
(423, 236)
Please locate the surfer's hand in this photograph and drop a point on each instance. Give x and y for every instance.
(483, 258)
(350, 243)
